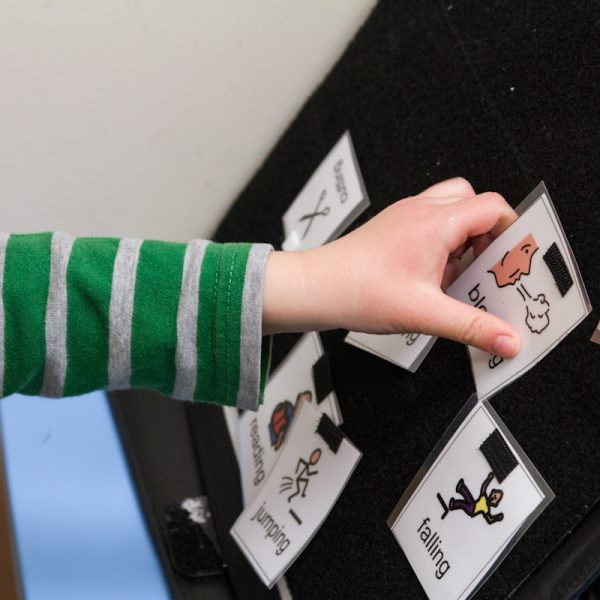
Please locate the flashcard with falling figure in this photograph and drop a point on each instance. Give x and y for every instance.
(303, 375)
(527, 276)
(472, 500)
(313, 469)
(328, 203)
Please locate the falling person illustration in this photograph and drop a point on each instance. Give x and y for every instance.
(481, 505)
(303, 474)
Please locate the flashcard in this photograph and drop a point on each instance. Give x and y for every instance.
(329, 201)
(303, 375)
(472, 500)
(313, 469)
(407, 350)
(596, 336)
(527, 276)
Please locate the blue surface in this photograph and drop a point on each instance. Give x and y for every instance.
(79, 528)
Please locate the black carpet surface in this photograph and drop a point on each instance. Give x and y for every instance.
(505, 94)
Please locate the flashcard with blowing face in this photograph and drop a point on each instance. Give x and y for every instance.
(472, 500)
(527, 276)
(303, 375)
(330, 200)
(313, 469)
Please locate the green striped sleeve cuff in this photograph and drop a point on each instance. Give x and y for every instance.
(79, 314)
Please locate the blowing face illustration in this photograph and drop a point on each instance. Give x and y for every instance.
(303, 473)
(516, 263)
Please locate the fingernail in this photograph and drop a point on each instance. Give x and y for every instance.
(505, 345)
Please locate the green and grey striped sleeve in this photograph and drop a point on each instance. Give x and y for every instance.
(81, 314)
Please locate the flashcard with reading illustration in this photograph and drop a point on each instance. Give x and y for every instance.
(330, 200)
(313, 469)
(303, 375)
(472, 500)
(529, 277)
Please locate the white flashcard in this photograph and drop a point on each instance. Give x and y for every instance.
(313, 469)
(263, 433)
(329, 201)
(596, 336)
(407, 350)
(527, 276)
(472, 500)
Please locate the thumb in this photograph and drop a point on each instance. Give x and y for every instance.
(458, 321)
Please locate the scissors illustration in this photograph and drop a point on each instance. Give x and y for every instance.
(310, 217)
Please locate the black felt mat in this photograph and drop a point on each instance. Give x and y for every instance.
(505, 94)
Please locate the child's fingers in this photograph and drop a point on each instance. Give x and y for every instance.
(476, 216)
(458, 321)
(457, 187)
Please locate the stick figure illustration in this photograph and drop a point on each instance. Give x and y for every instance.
(303, 473)
(479, 506)
(515, 264)
(310, 217)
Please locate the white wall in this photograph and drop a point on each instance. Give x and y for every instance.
(146, 118)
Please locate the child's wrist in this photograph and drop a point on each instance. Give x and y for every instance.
(297, 294)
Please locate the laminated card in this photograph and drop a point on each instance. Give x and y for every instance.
(313, 469)
(302, 376)
(529, 277)
(328, 203)
(469, 504)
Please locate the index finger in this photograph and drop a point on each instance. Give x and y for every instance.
(485, 214)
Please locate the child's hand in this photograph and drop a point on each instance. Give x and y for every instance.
(388, 275)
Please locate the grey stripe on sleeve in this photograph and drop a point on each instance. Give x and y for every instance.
(121, 313)
(55, 369)
(187, 322)
(251, 333)
(3, 241)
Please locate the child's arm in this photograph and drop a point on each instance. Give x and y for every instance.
(388, 276)
(81, 314)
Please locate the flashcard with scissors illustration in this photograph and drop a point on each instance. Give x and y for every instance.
(472, 500)
(329, 201)
(303, 375)
(529, 277)
(313, 469)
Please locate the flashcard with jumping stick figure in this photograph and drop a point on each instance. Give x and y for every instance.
(470, 503)
(302, 376)
(311, 471)
(529, 277)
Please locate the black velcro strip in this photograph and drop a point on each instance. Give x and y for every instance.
(191, 551)
(496, 451)
(558, 267)
(330, 433)
(322, 377)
